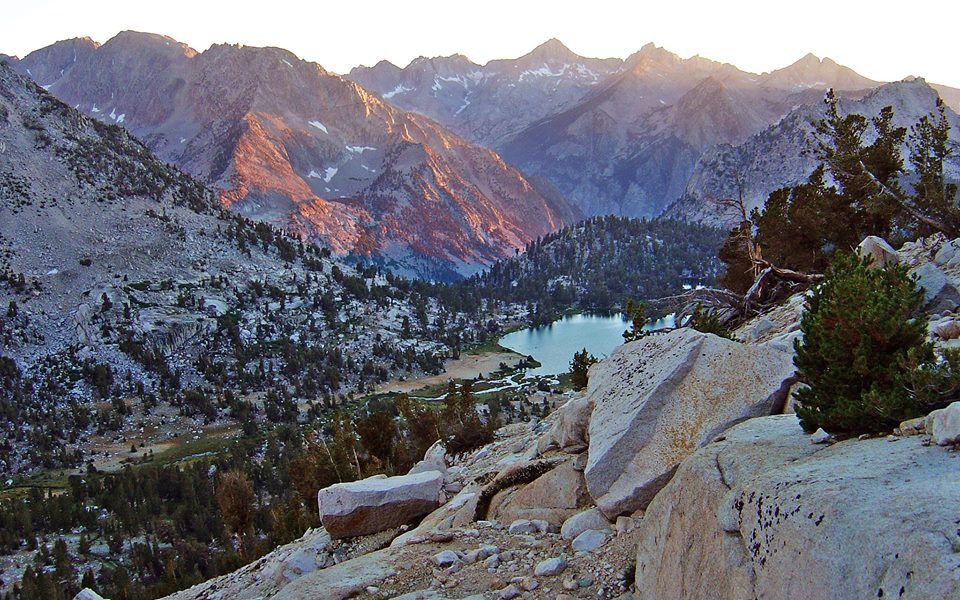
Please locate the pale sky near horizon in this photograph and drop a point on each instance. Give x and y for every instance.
(880, 39)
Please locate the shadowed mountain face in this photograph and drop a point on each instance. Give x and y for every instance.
(488, 103)
(287, 142)
(624, 143)
(779, 155)
(630, 145)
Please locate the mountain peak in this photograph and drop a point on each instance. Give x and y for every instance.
(129, 39)
(649, 54)
(552, 48)
(811, 71)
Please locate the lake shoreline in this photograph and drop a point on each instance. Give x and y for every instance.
(468, 366)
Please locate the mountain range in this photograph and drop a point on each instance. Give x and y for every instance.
(614, 137)
(443, 166)
(287, 142)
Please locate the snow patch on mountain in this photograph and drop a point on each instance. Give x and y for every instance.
(400, 89)
(359, 149)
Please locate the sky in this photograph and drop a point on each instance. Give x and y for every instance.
(880, 39)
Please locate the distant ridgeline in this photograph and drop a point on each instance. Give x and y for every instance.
(599, 263)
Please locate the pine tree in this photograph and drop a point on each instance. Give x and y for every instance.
(855, 192)
(929, 142)
(377, 433)
(579, 368)
(864, 358)
(637, 313)
(236, 500)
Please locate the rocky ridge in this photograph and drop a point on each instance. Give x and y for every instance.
(626, 137)
(487, 103)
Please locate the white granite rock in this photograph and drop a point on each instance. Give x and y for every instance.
(763, 513)
(378, 503)
(660, 398)
(944, 425)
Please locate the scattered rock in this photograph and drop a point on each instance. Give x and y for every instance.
(819, 436)
(522, 526)
(434, 459)
(945, 328)
(624, 525)
(343, 580)
(378, 503)
(913, 426)
(944, 425)
(589, 540)
(938, 291)
(591, 518)
(552, 497)
(570, 431)
(510, 592)
(660, 398)
(446, 558)
(948, 256)
(528, 584)
(880, 253)
(550, 567)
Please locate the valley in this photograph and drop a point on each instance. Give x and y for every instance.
(554, 326)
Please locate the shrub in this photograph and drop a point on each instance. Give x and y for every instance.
(707, 321)
(864, 356)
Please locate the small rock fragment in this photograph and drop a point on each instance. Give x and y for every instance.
(550, 567)
(446, 558)
(819, 436)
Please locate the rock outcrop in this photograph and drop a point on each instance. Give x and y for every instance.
(570, 431)
(660, 398)
(378, 503)
(552, 497)
(763, 513)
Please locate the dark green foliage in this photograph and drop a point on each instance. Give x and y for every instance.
(579, 368)
(856, 191)
(929, 147)
(463, 428)
(864, 358)
(636, 313)
(707, 321)
(600, 263)
(738, 274)
(422, 422)
(378, 435)
(177, 512)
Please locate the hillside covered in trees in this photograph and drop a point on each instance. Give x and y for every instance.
(602, 262)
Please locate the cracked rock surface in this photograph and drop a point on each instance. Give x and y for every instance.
(763, 513)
